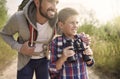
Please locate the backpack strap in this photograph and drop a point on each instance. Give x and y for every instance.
(22, 5)
(33, 35)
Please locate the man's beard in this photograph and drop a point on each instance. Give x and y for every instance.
(47, 13)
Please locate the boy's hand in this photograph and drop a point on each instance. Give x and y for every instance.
(68, 52)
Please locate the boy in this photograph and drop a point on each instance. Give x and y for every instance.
(69, 56)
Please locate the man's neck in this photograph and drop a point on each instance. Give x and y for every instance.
(41, 19)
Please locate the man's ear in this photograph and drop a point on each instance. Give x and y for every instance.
(36, 2)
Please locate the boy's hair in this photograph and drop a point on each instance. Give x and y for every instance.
(65, 13)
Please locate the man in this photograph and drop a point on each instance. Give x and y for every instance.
(35, 26)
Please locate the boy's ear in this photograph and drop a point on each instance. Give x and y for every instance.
(60, 25)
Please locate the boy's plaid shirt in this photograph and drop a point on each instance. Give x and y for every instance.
(76, 70)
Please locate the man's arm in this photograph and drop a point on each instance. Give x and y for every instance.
(8, 31)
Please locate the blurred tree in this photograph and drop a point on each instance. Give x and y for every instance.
(3, 12)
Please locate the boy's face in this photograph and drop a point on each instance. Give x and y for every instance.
(70, 26)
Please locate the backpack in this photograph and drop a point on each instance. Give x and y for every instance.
(22, 5)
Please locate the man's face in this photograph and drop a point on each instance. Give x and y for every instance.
(47, 8)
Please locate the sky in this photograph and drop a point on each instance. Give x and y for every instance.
(104, 10)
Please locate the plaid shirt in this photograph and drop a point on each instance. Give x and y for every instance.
(75, 70)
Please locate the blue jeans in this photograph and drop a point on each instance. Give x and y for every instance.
(39, 66)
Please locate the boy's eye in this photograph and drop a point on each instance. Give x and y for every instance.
(74, 22)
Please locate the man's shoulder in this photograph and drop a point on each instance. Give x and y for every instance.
(19, 14)
(20, 17)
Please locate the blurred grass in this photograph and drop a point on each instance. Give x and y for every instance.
(6, 54)
(106, 47)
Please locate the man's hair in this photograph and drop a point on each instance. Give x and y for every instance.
(65, 13)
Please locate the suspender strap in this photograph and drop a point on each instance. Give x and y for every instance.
(33, 35)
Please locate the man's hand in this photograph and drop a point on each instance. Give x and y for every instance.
(26, 49)
(85, 38)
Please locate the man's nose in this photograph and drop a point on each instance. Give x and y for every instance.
(54, 6)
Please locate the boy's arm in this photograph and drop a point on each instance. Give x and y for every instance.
(87, 40)
(60, 62)
(56, 63)
(65, 54)
(89, 52)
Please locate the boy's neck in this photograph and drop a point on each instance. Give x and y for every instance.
(69, 36)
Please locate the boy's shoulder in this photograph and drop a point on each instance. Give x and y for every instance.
(57, 36)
